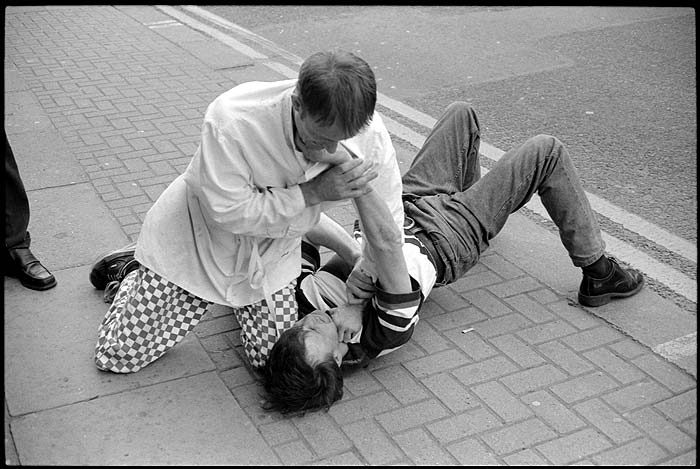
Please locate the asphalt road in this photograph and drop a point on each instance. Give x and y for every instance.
(616, 84)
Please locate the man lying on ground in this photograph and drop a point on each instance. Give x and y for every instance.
(452, 213)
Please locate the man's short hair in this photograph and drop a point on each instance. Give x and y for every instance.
(338, 85)
(292, 384)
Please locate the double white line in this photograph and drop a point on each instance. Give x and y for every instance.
(661, 272)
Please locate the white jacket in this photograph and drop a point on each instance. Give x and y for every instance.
(229, 229)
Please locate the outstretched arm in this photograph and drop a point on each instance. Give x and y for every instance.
(385, 243)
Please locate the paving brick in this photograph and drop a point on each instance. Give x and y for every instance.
(456, 319)
(360, 382)
(565, 358)
(449, 391)
(642, 452)
(548, 409)
(406, 353)
(661, 430)
(294, 453)
(484, 370)
(518, 436)
(533, 378)
(687, 459)
(501, 266)
(543, 296)
(153, 192)
(128, 201)
(575, 315)
(447, 299)
(487, 302)
(571, 448)
(665, 373)
(471, 344)
(680, 407)
(216, 326)
(422, 450)
(279, 432)
(516, 350)
(471, 452)
(515, 286)
(584, 387)
(436, 363)
(237, 376)
(401, 384)
(321, 433)
(372, 442)
(395, 421)
(472, 422)
(501, 401)
(526, 457)
(347, 411)
(592, 338)
(475, 280)
(546, 332)
(344, 459)
(129, 189)
(607, 420)
(502, 325)
(614, 366)
(431, 341)
(628, 349)
(530, 308)
(637, 395)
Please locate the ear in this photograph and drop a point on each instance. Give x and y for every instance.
(340, 352)
(296, 102)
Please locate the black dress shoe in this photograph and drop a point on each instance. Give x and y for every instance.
(28, 269)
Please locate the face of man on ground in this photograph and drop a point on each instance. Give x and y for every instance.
(321, 339)
(318, 143)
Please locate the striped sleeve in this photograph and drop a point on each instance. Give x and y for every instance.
(389, 319)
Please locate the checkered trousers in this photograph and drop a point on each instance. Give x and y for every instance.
(260, 326)
(148, 316)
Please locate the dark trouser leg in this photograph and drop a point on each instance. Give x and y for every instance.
(16, 204)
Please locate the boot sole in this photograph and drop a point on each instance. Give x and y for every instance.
(600, 300)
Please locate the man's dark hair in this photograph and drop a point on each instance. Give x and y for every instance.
(292, 384)
(338, 85)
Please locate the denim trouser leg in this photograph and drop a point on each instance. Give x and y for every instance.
(448, 162)
(462, 224)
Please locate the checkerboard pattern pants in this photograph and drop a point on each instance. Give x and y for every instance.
(261, 327)
(150, 315)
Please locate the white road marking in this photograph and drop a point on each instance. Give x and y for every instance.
(215, 33)
(685, 346)
(678, 282)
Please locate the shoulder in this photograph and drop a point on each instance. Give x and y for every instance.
(253, 99)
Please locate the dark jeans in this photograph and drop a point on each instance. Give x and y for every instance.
(16, 204)
(461, 211)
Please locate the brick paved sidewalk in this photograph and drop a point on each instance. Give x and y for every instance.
(103, 107)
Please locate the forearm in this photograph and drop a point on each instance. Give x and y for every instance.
(273, 213)
(385, 242)
(328, 233)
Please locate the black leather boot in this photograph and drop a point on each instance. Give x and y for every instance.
(619, 283)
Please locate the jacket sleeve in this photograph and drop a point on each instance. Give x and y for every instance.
(389, 319)
(223, 182)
